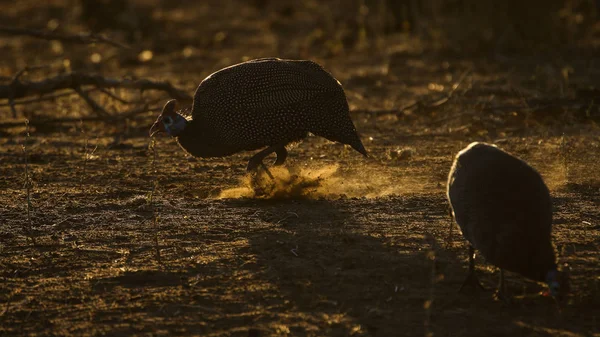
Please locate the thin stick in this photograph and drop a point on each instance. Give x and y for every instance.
(28, 227)
(113, 96)
(97, 108)
(429, 303)
(151, 201)
(85, 150)
(156, 242)
(428, 103)
(86, 157)
(83, 38)
(454, 88)
(564, 151)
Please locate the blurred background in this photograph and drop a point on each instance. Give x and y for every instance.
(461, 67)
(183, 41)
(388, 54)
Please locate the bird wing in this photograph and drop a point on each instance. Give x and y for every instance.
(261, 85)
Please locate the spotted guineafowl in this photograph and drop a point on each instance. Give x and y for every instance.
(261, 103)
(504, 210)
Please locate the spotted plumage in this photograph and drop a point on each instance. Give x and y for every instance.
(262, 103)
(504, 210)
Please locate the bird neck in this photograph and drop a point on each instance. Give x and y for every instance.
(551, 275)
(179, 125)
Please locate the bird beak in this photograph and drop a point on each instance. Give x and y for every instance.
(156, 127)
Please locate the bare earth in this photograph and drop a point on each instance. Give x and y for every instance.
(132, 239)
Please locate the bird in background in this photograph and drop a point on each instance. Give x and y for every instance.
(504, 210)
(264, 103)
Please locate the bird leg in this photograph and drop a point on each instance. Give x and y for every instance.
(501, 293)
(471, 279)
(264, 167)
(257, 159)
(281, 155)
(449, 241)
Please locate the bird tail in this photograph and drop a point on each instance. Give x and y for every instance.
(358, 146)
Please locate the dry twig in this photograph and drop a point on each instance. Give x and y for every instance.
(437, 102)
(28, 185)
(97, 108)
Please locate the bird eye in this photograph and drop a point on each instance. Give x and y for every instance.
(168, 121)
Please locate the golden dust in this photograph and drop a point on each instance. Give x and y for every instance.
(220, 37)
(56, 47)
(187, 52)
(96, 58)
(145, 56)
(52, 24)
(435, 87)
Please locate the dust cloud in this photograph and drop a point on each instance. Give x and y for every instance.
(555, 169)
(556, 176)
(327, 182)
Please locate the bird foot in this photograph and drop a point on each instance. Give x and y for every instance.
(264, 167)
(263, 184)
(472, 282)
(253, 165)
(502, 295)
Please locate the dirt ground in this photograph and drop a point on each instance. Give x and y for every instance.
(135, 237)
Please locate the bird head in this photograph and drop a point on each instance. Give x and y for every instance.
(558, 282)
(169, 121)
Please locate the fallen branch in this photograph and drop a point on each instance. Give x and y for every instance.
(64, 120)
(83, 38)
(75, 81)
(15, 79)
(19, 89)
(68, 93)
(44, 98)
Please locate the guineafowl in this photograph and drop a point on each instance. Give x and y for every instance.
(261, 103)
(504, 210)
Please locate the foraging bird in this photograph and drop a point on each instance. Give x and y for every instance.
(504, 210)
(261, 103)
